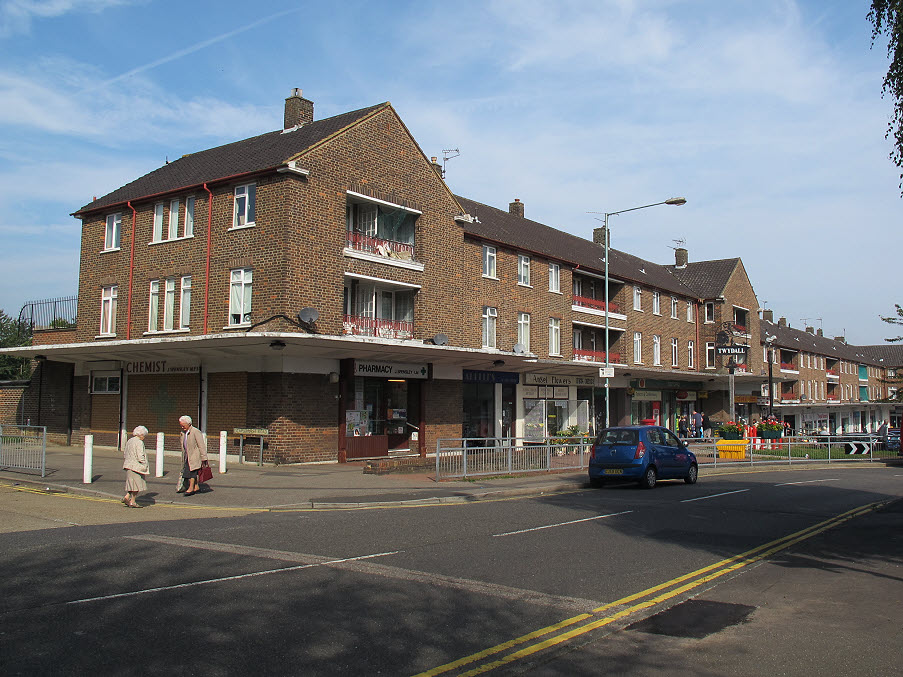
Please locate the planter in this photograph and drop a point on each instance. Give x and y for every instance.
(730, 436)
(770, 434)
(735, 449)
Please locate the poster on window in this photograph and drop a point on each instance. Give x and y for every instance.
(357, 422)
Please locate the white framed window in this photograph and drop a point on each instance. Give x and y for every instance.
(173, 219)
(189, 216)
(637, 347)
(554, 336)
(166, 288)
(637, 298)
(673, 308)
(241, 281)
(710, 311)
(108, 298)
(523, 270)
(157, 235)
(105, 382)
(113, 232)
(657, 350)
(656, 303)
(674, 358)
(153, 305)
(169, 303)
(489, 261)
(690, 314)
(710, 355)
(554, 277)
(523, 330)
(691, 354)
(185, 303)
(245, 206)
(490, 316)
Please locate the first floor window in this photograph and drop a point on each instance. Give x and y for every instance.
(691, 357)
(167, 289)
(673, 308)
(656, 349)
(637, 298)
(637, 347)
(523, 330)
(240, 296)
(245, 199)
(490, 315)
(710, 355)
(523, 270)
(157, 235)
(153, 306)
(656, 303)
(674, 360)
(554, 277)
(173, 219)
(554, 336)
(690, 315)
(108, 309)
(189, 217)
(488, 261)
(185, 303)
(113, 231)
(710, 311)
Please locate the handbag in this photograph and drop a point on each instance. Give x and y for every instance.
(205, 474)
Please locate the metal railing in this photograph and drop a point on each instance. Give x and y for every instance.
(463, 457)
(23, 447)
(789, 450)
(59, 313)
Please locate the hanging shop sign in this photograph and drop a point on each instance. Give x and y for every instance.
(476, 376)
(686, 396)
(746, 399)
(390, 369)
(160, 367)
(647, 395)
(552, 380)
(731, 350)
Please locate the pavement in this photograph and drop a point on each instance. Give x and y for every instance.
(274, 487)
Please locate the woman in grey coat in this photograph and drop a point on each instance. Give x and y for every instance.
(135, 466)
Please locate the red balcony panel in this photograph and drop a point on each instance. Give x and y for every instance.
(740, 328)
(371, 326)
(788, 365)
(379, 246)
(596, 304)
(596, 356)
(831, 372)
(789, 396)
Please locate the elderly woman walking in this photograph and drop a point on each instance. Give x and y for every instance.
(135, 466)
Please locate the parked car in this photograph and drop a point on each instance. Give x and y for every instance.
(893, 439)
(643, 453)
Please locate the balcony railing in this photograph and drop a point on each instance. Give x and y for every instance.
(740, 328)
(831, 372)
(379, 246)
(789, 366)
(596, 356)
(832, 398)
(357, 325)
(789, 396)
(596, 304)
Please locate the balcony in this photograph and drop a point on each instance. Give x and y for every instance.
(789, 366)
(357, 325)
(833, 399)
(596, 304)
(740, 328)
(379, 247)
(789, 397)
(596, 356)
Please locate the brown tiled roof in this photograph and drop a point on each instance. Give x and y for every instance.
(707, 278)
(526, 235)
(258, 153)
(797, 339)
(890, 354)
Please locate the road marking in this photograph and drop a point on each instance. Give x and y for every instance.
(703, 498)
(685, 583)
(562, 524)
(787, 484)
(135, 593)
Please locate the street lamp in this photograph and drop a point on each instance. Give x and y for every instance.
(676, 201)
(769, 355)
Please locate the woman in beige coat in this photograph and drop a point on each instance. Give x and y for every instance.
(135, 466)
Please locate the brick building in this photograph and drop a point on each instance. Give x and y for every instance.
(323, 282)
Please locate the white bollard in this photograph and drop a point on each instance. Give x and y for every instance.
(222, 452)
(159, 469)
(88, 475)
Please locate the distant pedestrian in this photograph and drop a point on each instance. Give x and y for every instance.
(683, 427)
(706, 426)
(135, 466)
(194, 454)
(697, 424)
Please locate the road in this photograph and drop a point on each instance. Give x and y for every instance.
(791, 572)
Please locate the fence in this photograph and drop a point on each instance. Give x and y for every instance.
(59, 313)
(802, 449)
(23, 446)
(462, 457)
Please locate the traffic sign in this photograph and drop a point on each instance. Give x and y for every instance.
(857, 447)
(606, 372)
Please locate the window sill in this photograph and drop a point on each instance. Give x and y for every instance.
(490, 277)
(656, 314)
(172, 239)
(166, 331)
(105, 336)
(556, 291)
(247, 225)
(528, 286)
(554, 354)
(243, 325)
(114, 249)
(637, 310)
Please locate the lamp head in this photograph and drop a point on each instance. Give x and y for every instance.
(677, 201)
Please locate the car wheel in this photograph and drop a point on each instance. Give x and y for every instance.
(596, 482)
(649, 478)
(692, 475)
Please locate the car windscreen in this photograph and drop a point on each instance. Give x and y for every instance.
(618, 436)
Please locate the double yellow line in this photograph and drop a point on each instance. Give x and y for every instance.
(627, 606)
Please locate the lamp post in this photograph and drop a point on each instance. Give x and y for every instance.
(676, 201)
(769, 354)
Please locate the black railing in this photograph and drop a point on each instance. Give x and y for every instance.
(58, 313)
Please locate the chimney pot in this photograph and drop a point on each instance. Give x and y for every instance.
(782, 321)
(820, 332)
(768, 315)
(298, 110)
(840, 339)
(516, 208)
(681, 257)
(599, 235)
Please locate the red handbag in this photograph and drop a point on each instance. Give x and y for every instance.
(205, 474)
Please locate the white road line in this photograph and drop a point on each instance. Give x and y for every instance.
(135, 593)
(787, 484)
(562, 524)
(703, 498)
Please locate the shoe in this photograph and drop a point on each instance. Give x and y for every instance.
(180, 491)
(134, 506)
(190, 493)
(124, 502)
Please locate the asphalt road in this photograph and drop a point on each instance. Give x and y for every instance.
(788, 572)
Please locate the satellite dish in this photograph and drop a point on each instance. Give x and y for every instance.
(440, 339)
(308, 315)
(519, 348)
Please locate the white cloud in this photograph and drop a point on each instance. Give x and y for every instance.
(16, 16)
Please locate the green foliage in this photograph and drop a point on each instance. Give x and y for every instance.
(730, 428)
(773, 427)
(12, 335)
(895, 320)
(886, 17)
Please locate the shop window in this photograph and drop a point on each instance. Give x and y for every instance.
(105, 382)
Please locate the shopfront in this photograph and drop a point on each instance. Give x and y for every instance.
(550, 405)
(489, 403)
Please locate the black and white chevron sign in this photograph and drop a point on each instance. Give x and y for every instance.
(857, 447)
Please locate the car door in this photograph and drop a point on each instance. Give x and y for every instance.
(679, 459)
(660, 451)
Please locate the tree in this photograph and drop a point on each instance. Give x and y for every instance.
(12, 334)
(886, 17)
(895, 320)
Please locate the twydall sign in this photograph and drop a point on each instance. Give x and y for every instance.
(731, 350)
(390, 370)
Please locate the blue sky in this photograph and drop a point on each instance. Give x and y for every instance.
(766, 114)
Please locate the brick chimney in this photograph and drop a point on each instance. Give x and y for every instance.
(782, 321)
(681, 257)
(436, 166)
(599, 235)
(298, 110)
(820, 332)
(768, 315)
(840, 339)
(516, 207)
(810, 330)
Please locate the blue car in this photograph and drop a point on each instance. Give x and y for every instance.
(643, 453)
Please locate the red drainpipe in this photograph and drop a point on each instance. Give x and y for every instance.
(207, 270)
(700, 353)
(128, 313)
